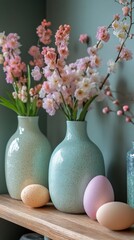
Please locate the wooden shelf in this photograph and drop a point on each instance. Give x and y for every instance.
(57, 225)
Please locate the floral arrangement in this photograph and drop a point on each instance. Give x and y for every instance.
(24, 100)
(72, 87)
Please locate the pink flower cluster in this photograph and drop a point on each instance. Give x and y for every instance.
(13, 65)
(95, 60)
(103, 34)
(34, 51)
(44, 33)
(61, 40)
(84, 38)
(125, 54)
(17, 74)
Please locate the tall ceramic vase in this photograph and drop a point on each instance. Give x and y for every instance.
(27, 157)
(74, 162)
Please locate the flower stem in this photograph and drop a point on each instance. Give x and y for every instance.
(85, 109)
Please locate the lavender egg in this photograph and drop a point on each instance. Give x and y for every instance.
(98, 191)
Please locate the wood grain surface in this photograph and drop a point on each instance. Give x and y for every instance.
(57, 225)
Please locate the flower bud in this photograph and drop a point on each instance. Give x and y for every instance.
(108, 93)
(125, 108)
(117, 17)
(128, 119)
(125, 10)
(84, 38)
(119, 113)
(116, 102)
(106, 110)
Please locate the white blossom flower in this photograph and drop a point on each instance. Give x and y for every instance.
(80, 94)
(120, 30)
(15, 95)
(36, 74)
(112, 66)
(121, 34)
(116, 25)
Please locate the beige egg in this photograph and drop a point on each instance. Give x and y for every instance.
(115, 215)
(35, 195)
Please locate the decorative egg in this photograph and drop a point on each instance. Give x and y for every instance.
(35, 195)
(98, 191)
(115, 215)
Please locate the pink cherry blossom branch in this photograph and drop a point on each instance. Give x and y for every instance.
(122, 45)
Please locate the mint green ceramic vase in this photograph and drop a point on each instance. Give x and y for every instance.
(74, 162)
(27, 157)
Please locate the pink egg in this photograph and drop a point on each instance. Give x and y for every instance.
(98, 191)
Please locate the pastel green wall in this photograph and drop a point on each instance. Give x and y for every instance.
(110, 133)
(22, 17)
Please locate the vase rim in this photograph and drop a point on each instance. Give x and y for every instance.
(76, 121)
(27, 116)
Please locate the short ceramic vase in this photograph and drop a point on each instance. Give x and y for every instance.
(27, 157)
(74, 162)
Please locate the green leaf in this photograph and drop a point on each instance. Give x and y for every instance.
(21, 107)
(28, 105)
(85, 108)
(6, 103)
(33, 108)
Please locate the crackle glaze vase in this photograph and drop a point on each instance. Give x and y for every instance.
(27, 157)
(74, 162)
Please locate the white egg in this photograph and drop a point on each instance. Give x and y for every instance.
(35, 195)
(115, 215)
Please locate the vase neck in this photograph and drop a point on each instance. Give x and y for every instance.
(76, 130)
(27, 123)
